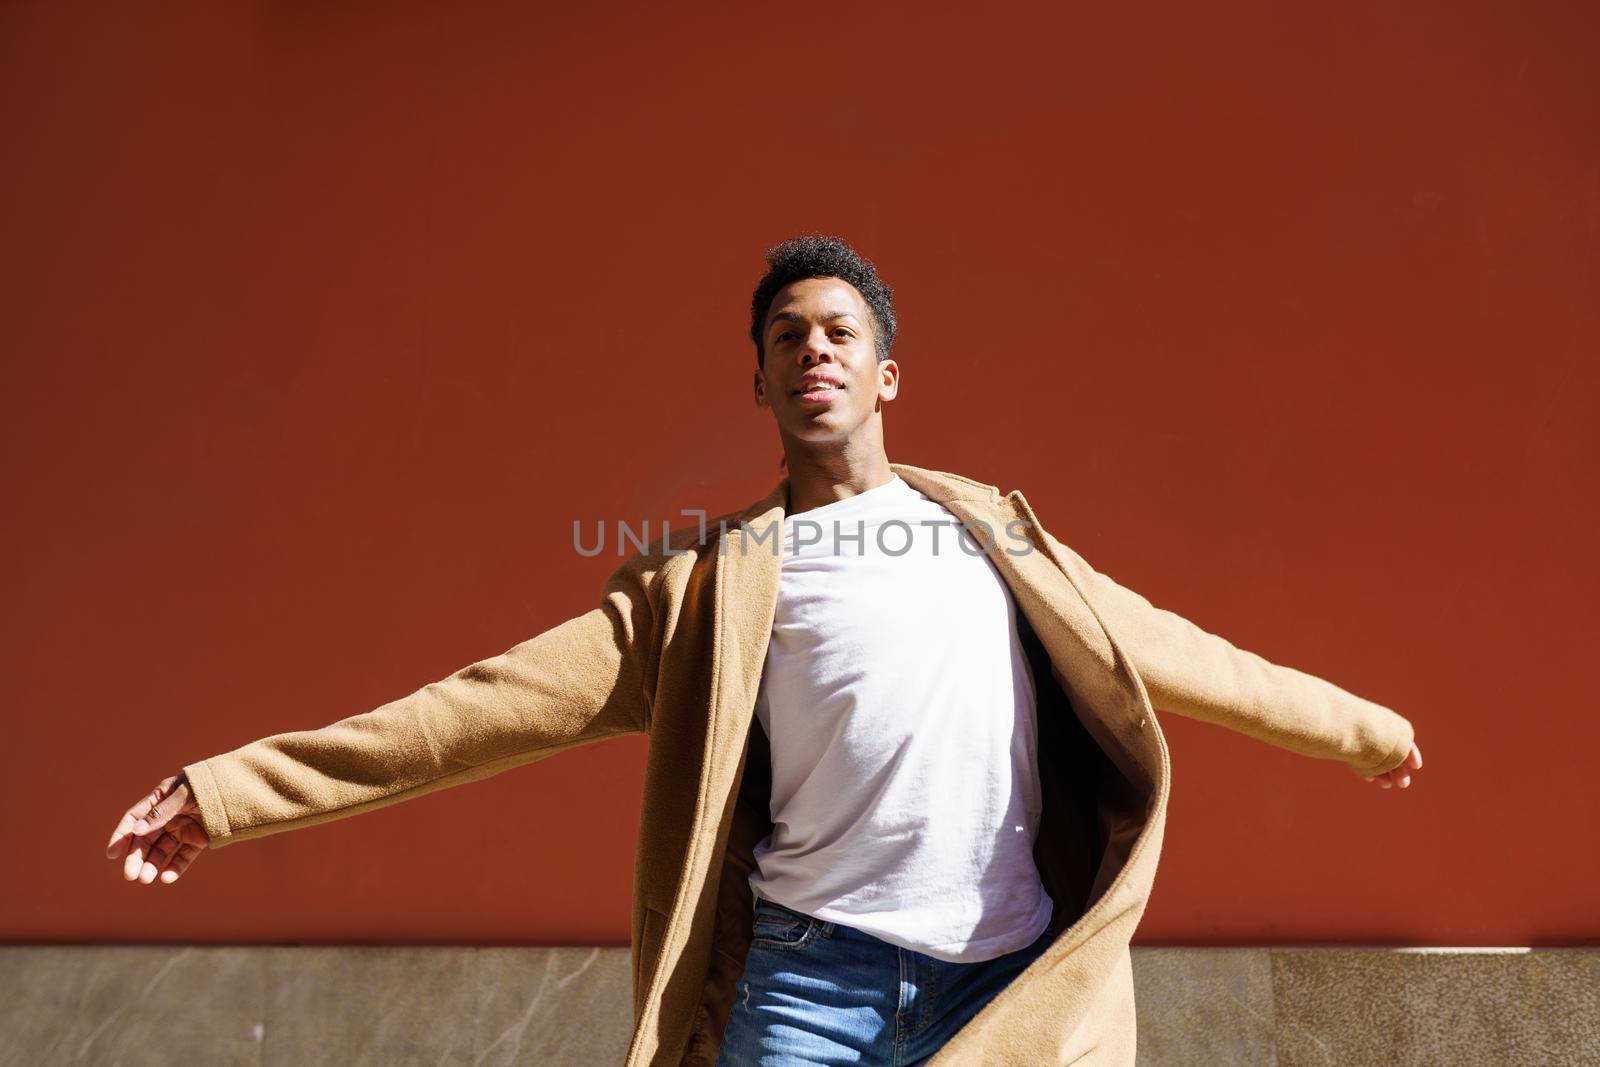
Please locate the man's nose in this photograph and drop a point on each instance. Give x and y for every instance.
(813, 352)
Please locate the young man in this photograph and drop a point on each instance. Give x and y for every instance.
(938, 838)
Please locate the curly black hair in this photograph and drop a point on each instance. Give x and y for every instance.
(815, 255)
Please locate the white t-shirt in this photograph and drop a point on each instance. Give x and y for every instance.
(899, 705)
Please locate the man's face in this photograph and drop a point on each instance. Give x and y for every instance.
(820, 373)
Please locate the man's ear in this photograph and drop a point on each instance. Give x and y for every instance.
(888, 379)
(760, 385)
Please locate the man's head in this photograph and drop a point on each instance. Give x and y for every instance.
(816, 256)
(821, 315)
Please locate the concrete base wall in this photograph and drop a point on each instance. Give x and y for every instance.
(297, 1006)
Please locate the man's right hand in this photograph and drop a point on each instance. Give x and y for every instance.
(160, 835)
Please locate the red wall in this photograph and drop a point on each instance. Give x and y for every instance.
(321, 326)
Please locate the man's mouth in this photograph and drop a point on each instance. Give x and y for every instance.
(819, 391)
(818, 383)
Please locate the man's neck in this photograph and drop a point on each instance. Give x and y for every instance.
(818, 480)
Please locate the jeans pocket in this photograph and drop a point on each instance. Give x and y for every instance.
(778, 927)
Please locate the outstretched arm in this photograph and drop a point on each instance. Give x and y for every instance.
(583, 680)
(1203, 676)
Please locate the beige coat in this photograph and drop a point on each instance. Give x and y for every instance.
(676, 649)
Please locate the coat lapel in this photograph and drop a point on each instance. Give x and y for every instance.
(1085, 658)
(744, 602)
(748, 564)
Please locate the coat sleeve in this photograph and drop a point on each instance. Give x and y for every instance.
(581, 681)
(1203, 676)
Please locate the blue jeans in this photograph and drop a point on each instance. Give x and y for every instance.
(818, 992)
